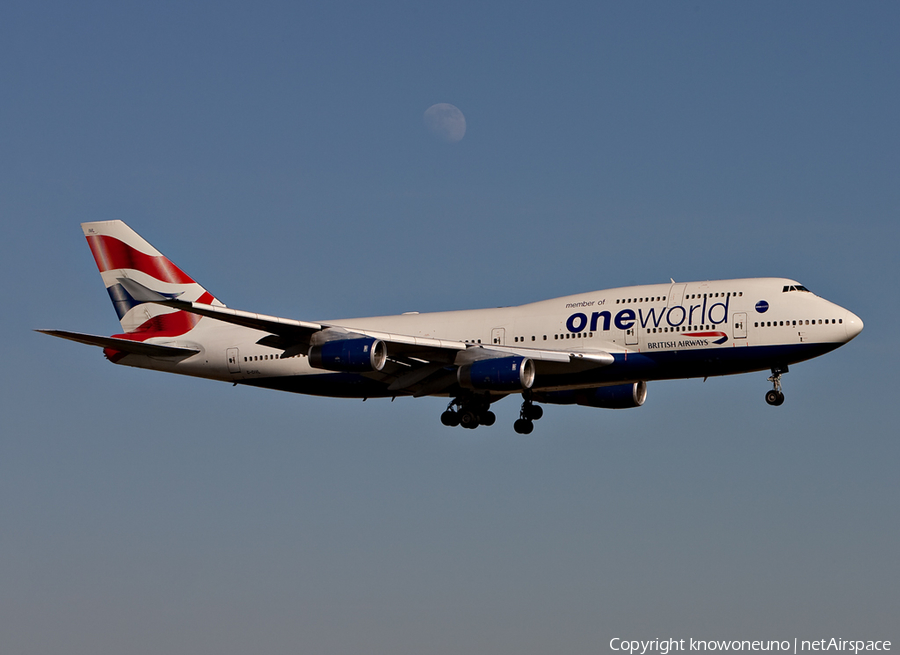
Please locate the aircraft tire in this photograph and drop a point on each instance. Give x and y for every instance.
(487, 418)
(774, 397)
(468, 420)
(523, 426)
(450, 419)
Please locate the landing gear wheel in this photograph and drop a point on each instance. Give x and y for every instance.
(469, 411)
(774, 397)
(523, 426)
(528, 414)
(468, 420)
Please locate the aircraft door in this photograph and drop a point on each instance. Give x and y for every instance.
(631, 336)
(234, 361)
(740, 325)
(498, 336)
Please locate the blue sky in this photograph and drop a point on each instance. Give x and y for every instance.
(278, 154)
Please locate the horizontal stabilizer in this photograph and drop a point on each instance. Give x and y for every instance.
(123, 345)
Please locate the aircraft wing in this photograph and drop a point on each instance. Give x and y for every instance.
(416, 362)
(288, 334)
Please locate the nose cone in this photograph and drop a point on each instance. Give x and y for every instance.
(853, 325)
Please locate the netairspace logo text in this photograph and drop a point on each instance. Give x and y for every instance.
(795, 646)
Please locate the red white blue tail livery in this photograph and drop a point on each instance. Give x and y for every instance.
(120, 252)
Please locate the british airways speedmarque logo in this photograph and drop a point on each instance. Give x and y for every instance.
(717, 337)
(762, 306)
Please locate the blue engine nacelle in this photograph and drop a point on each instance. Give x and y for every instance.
(620, 396)
(349, 355)
(498, 374)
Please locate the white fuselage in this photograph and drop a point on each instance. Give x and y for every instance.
(660, 331)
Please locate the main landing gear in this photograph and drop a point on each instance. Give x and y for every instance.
(470, 413)
(775, 396)
(527, 416)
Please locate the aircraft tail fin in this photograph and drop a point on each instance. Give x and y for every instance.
(120, 252)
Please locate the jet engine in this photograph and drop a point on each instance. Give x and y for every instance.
(349, 355)
(497, 374)
(620, 396)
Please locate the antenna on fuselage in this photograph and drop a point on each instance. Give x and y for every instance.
(672, 280)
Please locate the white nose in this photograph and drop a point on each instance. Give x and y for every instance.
(853, 325)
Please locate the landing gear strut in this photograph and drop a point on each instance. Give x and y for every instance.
(775, 396)
(527, 415)
(470, 412)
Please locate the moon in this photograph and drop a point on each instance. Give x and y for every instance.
(446, 122)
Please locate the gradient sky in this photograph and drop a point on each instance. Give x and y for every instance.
(277, 153)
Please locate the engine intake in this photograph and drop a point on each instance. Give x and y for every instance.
(349, 355)
(497, 374)
(620, 396)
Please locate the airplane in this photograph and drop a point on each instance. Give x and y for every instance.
(595, 349)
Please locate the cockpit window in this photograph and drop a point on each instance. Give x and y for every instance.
(795, 287)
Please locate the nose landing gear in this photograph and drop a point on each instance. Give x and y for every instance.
(775, 396)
